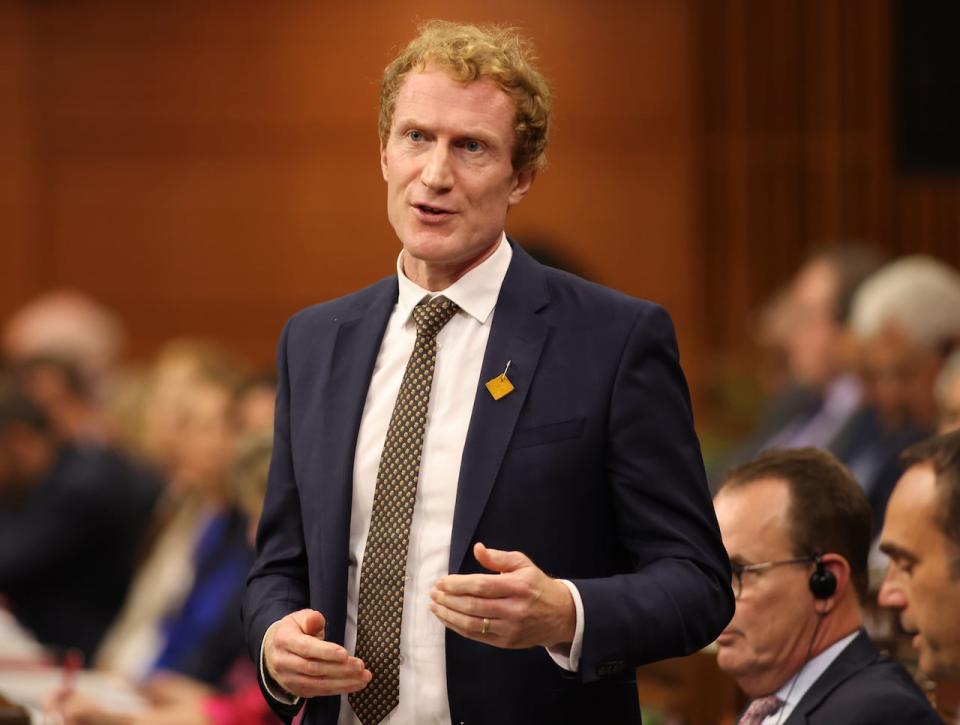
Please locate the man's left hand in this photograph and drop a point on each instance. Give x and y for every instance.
(517, 607)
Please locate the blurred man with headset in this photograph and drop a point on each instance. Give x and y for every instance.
(797, 529)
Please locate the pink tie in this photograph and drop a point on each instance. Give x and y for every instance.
(761, 708)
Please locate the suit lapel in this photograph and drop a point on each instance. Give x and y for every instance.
(854, 657)
(355, 350)
(517, 336)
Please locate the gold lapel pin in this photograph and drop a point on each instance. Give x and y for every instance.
(500, 385)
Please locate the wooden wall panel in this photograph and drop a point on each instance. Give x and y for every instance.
(208, 168)
(797, 150)
(17, 277)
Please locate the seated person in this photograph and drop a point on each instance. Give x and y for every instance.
(182, 615)
(906, 320)
(180, 700)
(921, 535)
(71, 519)
(797, 529)
(254, 402)
(821, 401)
(67, 397)
(947, 393)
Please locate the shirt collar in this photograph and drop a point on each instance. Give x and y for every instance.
(796, 687)
(475, 293)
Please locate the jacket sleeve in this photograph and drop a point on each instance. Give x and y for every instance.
(678, 597)
(277, 584)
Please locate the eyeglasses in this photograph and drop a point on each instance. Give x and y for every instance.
(739, 570)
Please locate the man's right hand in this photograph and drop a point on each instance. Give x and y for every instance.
(303, 664)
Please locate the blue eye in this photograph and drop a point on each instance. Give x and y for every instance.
(415, 136)
(472, 146)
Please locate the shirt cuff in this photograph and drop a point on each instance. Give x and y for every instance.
(273, 687)
(569, 659)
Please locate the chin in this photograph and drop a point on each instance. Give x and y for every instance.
(730, 661)
(428, 245)
(936, 667)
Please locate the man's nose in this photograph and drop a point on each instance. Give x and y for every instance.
(891, 595)
(437, 174)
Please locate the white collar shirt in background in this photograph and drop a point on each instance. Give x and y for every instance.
(797, 686)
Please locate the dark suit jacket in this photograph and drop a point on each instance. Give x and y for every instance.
(863, 687)
(68, 549)
(872, 452)
(591, 467)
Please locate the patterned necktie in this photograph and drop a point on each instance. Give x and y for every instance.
(385, 556)
(761, 708)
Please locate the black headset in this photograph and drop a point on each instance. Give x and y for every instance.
(823, 583)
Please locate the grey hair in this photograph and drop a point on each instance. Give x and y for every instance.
(918, 293)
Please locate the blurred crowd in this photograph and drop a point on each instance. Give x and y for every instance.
(860, 361)
(128, 502)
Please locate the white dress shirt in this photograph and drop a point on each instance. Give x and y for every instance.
(461, 345)
(796, 687)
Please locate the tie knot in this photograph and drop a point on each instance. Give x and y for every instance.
(433, 315)
(760, 708)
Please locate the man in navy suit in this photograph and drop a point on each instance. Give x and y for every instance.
(561, 531)
(797, 528)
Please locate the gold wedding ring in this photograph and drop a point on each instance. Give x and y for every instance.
(485, 627)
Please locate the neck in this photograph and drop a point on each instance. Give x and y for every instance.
(434, 277)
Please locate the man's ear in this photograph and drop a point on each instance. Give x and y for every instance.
(840, 568)
(383, 162)
(522, 180)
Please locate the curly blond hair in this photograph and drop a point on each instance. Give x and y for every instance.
(470, 53)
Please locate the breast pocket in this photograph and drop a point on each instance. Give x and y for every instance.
(550, 433)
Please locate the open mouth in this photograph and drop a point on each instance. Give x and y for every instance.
(432, 211)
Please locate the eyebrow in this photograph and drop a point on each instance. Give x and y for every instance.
(896, 552)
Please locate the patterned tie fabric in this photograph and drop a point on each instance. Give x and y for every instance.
(385, 557)
(761, 708)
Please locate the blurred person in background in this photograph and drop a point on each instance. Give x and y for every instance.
(180, 700)
(921, 536)
(797, 529)
(254, 405)
(60, 387)
(771, 327)
(71, 520)
(906, 319)
(821, 403)
(947, 394)
(66, 325)
(180, 613)
(167, 398)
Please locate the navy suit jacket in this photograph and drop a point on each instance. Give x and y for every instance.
(862, 687)
(591, 467)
